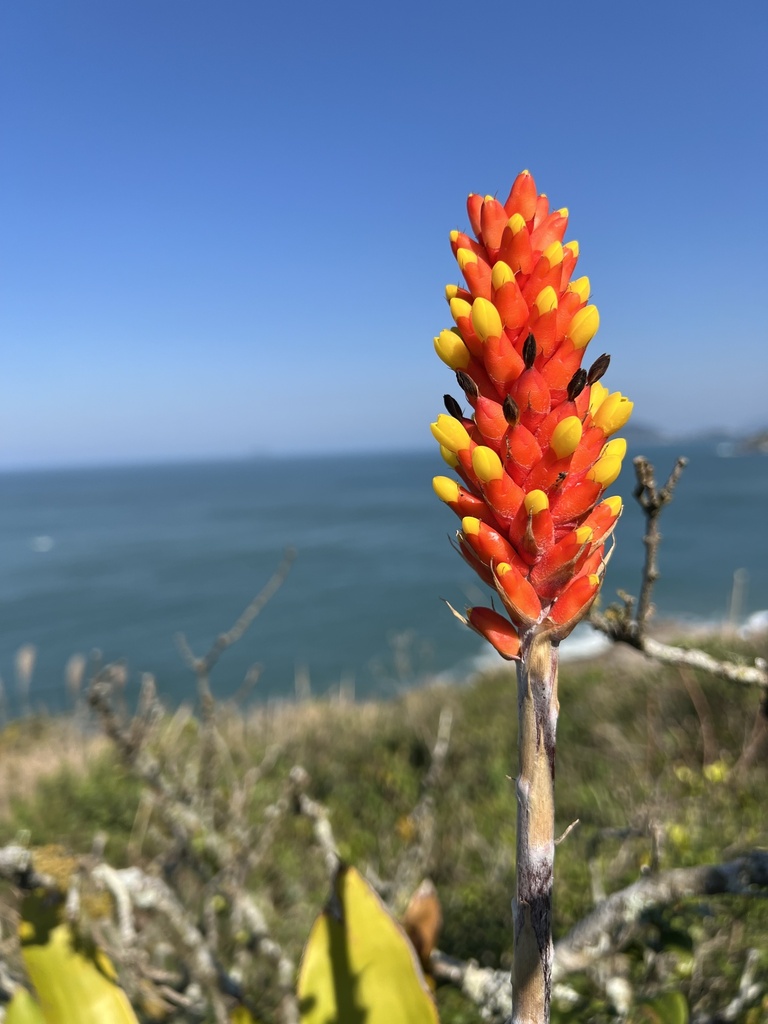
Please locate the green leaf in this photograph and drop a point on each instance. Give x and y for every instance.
(671, 1008)
(358, 965)
(72, 983)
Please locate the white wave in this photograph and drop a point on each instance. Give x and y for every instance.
(755, 625)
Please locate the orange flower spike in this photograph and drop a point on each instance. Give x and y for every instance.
(515, 248)
(522, 197)
(574, 602)
(498, 631)
(535, 459)
(476, 273)
(493, 218)
(499, 489)
(519, 597)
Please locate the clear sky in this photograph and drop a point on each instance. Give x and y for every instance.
(224, 225)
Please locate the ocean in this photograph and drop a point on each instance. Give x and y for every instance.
(120, 560)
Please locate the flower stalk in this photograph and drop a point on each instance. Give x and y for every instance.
(534, 458)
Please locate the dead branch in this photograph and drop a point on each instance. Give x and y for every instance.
(628, 622)
(609, 926)
(202, 666)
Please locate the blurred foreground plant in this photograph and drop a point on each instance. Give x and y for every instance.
(534, 461)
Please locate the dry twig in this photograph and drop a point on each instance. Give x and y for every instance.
(628, 623)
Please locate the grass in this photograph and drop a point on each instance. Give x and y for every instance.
(641, 749)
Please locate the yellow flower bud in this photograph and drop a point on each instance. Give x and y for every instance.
(487, 464)
(566, 436)
(574, 247)
(546, 300)
(583, 326)
(448, 432)
(446, 489)
(605, 470)
(617, 447)
(449, 457)
(554, 254)
(486, 320)
(583, 534)
(459, 307)
(535, 501)
(452, 350)
(581, 286)
(502, 274)
(451, 291)
(613, 413)
(516, 223)
(614, 504)
(465, 256)
(597, 396)
(470, 525)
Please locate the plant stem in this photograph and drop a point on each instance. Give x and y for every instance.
(537, 709)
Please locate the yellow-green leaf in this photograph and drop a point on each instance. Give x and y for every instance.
(242, 1015)
(72, 983)
(24, 1009)
(358, 965)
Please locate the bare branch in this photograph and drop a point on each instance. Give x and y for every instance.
(202, 666)
(610, 923)
(652, 500)
(628, 622)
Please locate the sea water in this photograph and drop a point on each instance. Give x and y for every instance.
(121, 560)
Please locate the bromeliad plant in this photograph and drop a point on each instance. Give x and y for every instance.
(534, 461)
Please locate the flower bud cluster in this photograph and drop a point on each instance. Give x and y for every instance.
(535, 458)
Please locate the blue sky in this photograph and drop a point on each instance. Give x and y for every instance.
(225, 225)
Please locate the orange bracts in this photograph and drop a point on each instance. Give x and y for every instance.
(535, 457)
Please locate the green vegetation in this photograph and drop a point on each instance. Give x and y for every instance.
(663, 768)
